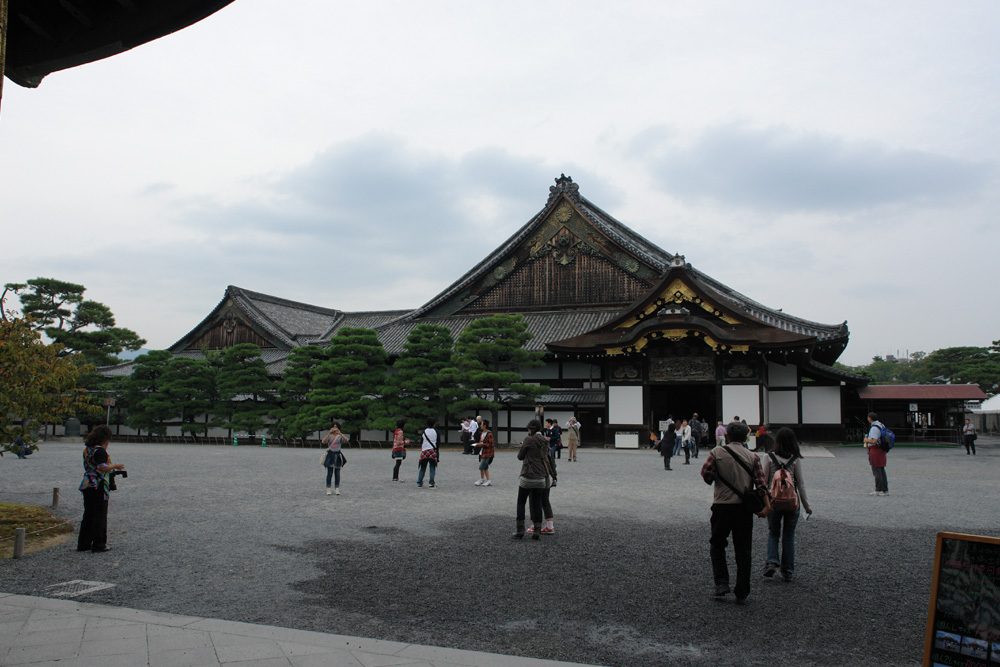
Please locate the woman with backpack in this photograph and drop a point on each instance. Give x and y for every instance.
(782, 469)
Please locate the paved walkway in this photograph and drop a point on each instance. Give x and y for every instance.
(39, 631)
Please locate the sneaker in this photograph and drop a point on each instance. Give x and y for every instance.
(432, 486)
(336, 491)
(548, 530)
(530, 530)
(419, 485)
(328, 491)
(873, 493)
(721, 590)
(881, 493)
(479, 482)
(488, 483)
(787, 576)
(770, 569)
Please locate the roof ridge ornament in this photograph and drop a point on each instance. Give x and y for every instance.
(564, 186)
(678, 260)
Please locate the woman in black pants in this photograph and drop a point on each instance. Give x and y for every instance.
(96, 466)
(538, 472)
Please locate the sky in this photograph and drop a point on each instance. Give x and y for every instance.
(837, 160)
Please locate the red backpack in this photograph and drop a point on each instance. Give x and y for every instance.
(783, 495)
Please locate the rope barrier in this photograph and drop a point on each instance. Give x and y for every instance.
(41, 530)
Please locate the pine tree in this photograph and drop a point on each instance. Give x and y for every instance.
(148, 406)
(188, 386)
(348, 382)
(245, 389)
(413, 390)
(488, 358)
(292, 414)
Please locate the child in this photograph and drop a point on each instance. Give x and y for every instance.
(486, 452)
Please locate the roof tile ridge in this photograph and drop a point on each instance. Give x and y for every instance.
(260, 296)
(250, 308)
(601, 217)
(747, 302)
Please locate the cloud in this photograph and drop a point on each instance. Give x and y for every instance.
(778, 169)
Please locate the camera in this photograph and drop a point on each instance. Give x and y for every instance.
(111, 478)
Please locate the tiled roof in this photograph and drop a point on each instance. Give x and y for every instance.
(544, 326)
(906, 392)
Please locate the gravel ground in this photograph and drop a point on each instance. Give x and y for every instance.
(248, 534)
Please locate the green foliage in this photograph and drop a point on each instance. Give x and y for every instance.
(292, 416)
(86, 332)
(188, 387)
(245, 389)
(38, 385)
(348, 382)
(485, 371)
(955, 365)
(414, 389)
(149, 407)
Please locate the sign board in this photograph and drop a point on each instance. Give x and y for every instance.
(963, 621)
(627, 439)
(913, 407)
(663, 426)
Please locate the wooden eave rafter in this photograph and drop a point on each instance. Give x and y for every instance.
(44, 36)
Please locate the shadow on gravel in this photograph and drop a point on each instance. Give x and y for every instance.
(627, 594)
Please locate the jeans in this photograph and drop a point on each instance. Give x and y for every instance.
(881, 480)
(330, 473)
(775, 519)
(534, 496)
(423, 468)
(738, 521)
(677, 446)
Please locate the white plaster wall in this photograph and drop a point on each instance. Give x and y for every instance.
(627, 439)
(625, 405)
(742, 400)
(821, 405)
(783, 407)
(782, 376)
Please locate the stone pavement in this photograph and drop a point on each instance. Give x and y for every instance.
(39, 632)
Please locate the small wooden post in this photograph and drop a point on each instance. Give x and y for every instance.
(55, 497)
(18, 542)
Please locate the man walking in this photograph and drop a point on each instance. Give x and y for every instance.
(697, 431)
(734, 470)
(876, 455)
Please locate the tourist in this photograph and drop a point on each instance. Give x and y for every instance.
(686, 441)
(537, 475)
(96, 487)
(668, 441)
(696, 432)
(736, 466)
(486, 453)
(429, 454)
(969, 437)
(876, 456)
(465, 435)
(335, 458)
(572, 437)
(399, 443)
(19, 447)
(720, 435)
(781, 522)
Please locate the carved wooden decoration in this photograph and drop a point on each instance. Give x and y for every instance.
(682, 369)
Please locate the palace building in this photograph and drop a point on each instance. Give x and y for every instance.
(631, 333)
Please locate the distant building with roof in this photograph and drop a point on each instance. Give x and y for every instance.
(631, 333)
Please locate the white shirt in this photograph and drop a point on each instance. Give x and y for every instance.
(430, 437)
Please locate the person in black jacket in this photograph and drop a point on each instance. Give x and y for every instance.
(538, 472)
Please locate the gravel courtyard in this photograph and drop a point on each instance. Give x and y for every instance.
(248, 534)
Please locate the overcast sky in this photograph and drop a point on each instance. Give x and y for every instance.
(838, 160)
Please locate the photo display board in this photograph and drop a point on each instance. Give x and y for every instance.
(963, 622)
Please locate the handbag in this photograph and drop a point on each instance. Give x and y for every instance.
(751, 501)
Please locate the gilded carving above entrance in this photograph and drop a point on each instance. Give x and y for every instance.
(741, 371)
(626, 371)
(682, 369)
(675, 293)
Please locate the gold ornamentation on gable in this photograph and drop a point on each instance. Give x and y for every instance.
(677, 292)
(563, 212)
(503, 270)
